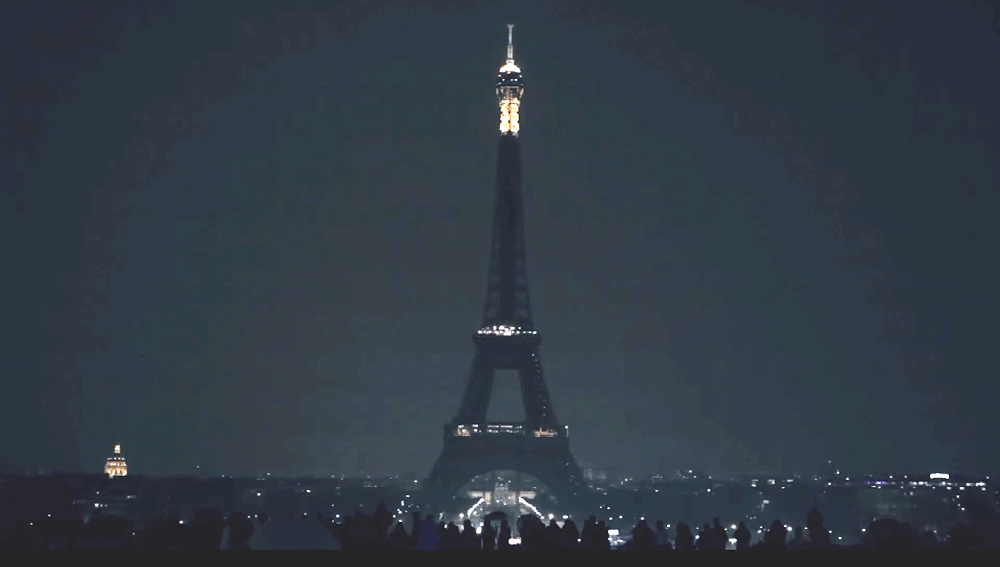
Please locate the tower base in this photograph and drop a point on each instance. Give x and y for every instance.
(547, 459)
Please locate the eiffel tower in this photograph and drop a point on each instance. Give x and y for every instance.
(507, 340)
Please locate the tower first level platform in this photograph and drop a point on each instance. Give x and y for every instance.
(503, 432)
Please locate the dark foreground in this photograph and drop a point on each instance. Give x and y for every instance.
(210, 530)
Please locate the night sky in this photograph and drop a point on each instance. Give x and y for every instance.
(253, 236)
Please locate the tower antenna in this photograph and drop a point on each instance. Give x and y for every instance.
(509, 89)
(510, 43)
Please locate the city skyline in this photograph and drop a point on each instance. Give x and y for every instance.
(758, 236)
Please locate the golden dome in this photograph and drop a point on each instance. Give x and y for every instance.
(116, 465)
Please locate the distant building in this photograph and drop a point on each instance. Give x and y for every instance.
(116, 465)
(932, 501)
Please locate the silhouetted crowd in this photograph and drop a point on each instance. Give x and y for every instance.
(209, 529)
(362, 531)
(377, 531)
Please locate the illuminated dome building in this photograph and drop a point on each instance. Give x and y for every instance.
(116, 465)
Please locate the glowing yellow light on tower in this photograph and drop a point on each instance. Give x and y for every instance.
(116, 465)
(509, 89)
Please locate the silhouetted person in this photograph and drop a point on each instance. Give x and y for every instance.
(503, 535)
(429, 538)
(335, 530)
(642, 536)
(241, 529)
(489, 536)
(442, 530)
(529, 527)
(570, 536)
(704, 535)
(962, 536)
(587, 537)
(908, 538)
(891, 534)
(352, 530)
(381, 522)
(452, 539)
(470, 539)
(684, 539)
(797, 541)
(930, 541)
(819, 536)
(18, 537)
(662, 536)
(398, 538)
(602, 537)
(719, 536)
(775, 536)
(552, 535)
(207, 527)
(347, 534)
(742, 535)
(415, 530)
(368, 531)
(172, 533)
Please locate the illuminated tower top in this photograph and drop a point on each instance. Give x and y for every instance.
(509, 89)
(116, 465)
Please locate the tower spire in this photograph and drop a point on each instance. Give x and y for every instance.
(509, 89)
(510, 43)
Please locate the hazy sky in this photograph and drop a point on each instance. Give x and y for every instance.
(254, 235)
